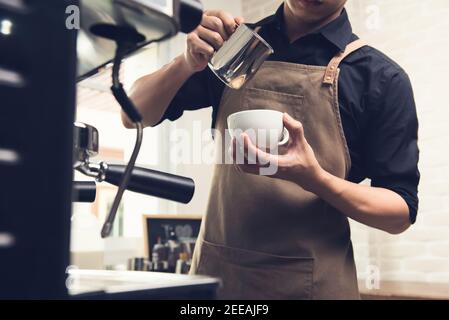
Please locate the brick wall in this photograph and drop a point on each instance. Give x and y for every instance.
(254, 10)
(414, 33)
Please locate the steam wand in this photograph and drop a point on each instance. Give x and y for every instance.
(126, 38)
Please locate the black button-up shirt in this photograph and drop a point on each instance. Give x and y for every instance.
(376, 103)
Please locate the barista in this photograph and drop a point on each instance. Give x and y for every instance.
(287, 236)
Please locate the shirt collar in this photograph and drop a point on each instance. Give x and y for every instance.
(338, 31)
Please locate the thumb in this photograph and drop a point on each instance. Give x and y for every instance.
(294, 127)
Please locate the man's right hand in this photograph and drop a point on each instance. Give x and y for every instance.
(153, 93)
(216, 27)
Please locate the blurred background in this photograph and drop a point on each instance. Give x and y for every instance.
(412, 32)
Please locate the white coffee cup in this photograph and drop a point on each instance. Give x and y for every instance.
(264, 127)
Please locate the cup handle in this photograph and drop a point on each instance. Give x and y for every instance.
(286, 137)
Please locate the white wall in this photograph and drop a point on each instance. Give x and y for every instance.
(254, 10)
(414, 33)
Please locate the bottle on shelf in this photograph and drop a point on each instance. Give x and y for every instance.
(161, 250)
(183, 264)
(174, 250)
(159, 257)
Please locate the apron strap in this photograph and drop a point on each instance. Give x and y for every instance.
(331, 71)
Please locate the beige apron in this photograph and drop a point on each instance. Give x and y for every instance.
(267, 238)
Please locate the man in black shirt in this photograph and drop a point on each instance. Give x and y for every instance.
(376, 106)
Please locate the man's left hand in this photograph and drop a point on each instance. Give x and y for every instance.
(298, 164)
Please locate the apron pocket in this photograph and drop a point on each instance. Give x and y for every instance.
(254, 98)
(251, 275)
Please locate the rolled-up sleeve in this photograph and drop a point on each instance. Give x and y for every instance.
(392, 152)
(193, 95)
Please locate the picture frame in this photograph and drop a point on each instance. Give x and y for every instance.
(185, 226)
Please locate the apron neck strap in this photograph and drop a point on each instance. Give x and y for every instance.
(331, 70)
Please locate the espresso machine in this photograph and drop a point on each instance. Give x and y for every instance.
(47, 47)
(142, 180)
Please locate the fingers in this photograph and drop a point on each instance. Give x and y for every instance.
(251, 153)
(233, 150)
(197, 45)
(256, 155)
(239, 163)
(211, 37)
(239, 20)
(227, 20)
(294, 127)
(248, 158)
(216, 25)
